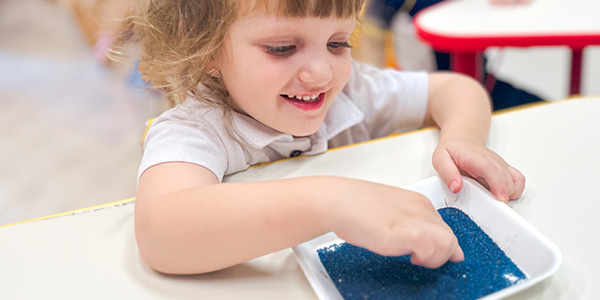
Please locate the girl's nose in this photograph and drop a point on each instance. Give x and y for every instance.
(316, 72)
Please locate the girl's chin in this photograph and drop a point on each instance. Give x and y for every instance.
(303, 131)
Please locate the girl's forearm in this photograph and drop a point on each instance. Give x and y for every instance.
(212, 227)
(459, 106)
(209, 228)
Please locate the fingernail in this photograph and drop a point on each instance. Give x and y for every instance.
(454, 186)
(504, 198)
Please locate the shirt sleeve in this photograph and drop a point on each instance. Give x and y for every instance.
(170, 141)
(391, 100)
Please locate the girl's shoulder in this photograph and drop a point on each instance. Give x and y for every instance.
(193, 132)
(193, 113)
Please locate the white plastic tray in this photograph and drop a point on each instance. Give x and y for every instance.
(532, 252)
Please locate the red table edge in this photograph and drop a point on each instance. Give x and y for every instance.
(465, 50)
(475, 43)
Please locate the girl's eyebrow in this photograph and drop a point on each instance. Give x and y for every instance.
(274, 37)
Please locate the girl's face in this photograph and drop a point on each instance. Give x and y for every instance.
(286, 72)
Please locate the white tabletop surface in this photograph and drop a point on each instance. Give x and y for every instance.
(93, 255)
(539, 17)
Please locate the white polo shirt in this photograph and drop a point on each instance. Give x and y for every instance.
(374, 103)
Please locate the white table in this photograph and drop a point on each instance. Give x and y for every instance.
(92, 254)
(465, 28)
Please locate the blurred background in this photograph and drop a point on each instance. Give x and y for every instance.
(71, 123)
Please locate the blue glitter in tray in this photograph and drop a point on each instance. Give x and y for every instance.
(360, 274)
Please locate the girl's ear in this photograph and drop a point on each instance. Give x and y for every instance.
(213, 68)
(214, 72)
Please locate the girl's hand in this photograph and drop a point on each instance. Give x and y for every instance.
(392, 222)
(454, 157)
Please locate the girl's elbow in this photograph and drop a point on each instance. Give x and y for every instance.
(164, 254)
(151, 249)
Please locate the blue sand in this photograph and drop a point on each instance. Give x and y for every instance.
(361, 274)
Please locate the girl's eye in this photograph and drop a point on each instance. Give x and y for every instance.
(338, 47)
(281, 51)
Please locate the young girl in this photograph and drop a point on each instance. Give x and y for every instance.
(256, 81)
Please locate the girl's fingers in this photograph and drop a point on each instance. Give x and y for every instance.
(436, 247)
(505, 182)
(500, 185)
(447, 170)
(458, 255)
(518, 182)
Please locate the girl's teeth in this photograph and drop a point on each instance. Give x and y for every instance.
(303, 98)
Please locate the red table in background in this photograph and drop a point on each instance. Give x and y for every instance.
(465, 28)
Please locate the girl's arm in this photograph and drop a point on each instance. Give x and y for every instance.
(186, 222)
(460, 107)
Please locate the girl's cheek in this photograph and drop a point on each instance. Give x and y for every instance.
(274, 72)
(345, 69)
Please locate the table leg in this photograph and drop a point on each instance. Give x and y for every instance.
(469, 63)
(576, 60)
